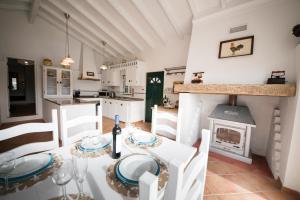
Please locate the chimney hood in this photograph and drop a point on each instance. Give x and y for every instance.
(88, 65)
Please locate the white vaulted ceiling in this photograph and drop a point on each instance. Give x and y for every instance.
(128, 26)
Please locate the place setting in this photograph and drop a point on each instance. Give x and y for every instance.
(139, 138)
(123, 176)
(92, 146)
(17, 174)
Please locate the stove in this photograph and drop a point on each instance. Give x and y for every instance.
(231, 131)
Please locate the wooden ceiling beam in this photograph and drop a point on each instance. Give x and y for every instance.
(107, 12)
(94, 16)
(35, 6)
(90, 27)
(119, 7)
(165, 6)
(59, 23)
(148, 16)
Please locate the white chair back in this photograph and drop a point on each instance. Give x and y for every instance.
(166, 124)
(28, 128)
(189, 183)
(67, 124)
(183, 184)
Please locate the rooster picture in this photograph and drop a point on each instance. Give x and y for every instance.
(234, 48)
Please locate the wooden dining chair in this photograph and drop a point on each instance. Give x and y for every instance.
(66, 124)
(185, 182)
(29, 128)
(165, 124)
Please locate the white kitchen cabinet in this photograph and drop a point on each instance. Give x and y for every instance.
(129, 111)
(57, 82)
(111, 77)
(133, 71)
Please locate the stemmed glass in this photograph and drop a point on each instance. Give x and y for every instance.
(63, 175)
(7, 164)
(80, 171)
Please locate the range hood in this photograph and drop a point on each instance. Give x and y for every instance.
(88, 66)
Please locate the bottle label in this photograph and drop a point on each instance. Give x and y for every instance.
(118, 143)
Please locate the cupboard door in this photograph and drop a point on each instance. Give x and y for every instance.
(65, 83)
(51, 82)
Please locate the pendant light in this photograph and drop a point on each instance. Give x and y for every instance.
(67, 61)
(103, 66)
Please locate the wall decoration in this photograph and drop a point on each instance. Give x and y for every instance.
(197, 77)
(236, 47)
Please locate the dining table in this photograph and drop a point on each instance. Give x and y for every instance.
(96, 185)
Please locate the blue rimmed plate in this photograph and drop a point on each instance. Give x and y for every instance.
(143, 138)
(129, 169)
(27, 167)
(95, 143)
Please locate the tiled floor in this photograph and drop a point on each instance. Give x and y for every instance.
(227, 179)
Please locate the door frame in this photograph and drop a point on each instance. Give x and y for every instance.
(5, 103)
(163, 72)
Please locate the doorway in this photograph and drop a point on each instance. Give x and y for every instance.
(154, 92)
(21, 86)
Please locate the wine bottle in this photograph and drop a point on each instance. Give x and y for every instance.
(117, 140)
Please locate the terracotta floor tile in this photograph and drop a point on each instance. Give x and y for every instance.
(279, 195)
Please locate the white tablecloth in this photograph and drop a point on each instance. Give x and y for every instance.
(95, 184)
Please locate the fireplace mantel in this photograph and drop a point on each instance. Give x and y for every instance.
(279, 90)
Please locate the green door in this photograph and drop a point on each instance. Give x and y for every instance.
(154, 92)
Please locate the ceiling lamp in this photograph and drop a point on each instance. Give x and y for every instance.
(103, 66)
(67, 61)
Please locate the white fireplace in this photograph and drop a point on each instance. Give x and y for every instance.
(231, 131)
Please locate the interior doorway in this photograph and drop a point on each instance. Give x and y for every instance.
(21, 86)
(154, 92)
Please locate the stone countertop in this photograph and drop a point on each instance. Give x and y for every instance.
(66, 102)
(123, 98)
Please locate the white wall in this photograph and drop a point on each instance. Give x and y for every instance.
(274, 45)
(19, 39)
(290, 109)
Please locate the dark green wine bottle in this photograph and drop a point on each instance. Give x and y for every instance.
(117, 140)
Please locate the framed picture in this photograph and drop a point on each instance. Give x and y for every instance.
(176, 83)
(236, 47)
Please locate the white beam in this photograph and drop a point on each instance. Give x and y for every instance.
(89, 26)
(61, 26)
(141, 6)
(35, 6)
(117, 5)
(107, 12)
(193, 6)
(78, 29)
(94, 16)
(165, 6)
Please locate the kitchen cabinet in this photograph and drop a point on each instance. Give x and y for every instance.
(111, 77)
(57, 82)
(129, 111)
(133, 72)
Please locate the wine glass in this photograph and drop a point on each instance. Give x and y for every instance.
(80, 170)
(63, 175)
(7, 164)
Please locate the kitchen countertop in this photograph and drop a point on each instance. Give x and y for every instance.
(65, 102)
(170, 110)
(75, 101)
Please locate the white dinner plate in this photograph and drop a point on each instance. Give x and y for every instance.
(132, 167)
(143, 138)
(94, 143)
(28, 166)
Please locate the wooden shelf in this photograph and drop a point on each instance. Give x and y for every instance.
(280, 90)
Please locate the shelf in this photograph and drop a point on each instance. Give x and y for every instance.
(280, 90)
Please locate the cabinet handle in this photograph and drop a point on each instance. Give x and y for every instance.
(60, 82)
(109, 102)
(121, 104)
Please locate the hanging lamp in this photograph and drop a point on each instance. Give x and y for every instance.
(67, 61)
(103, 66)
